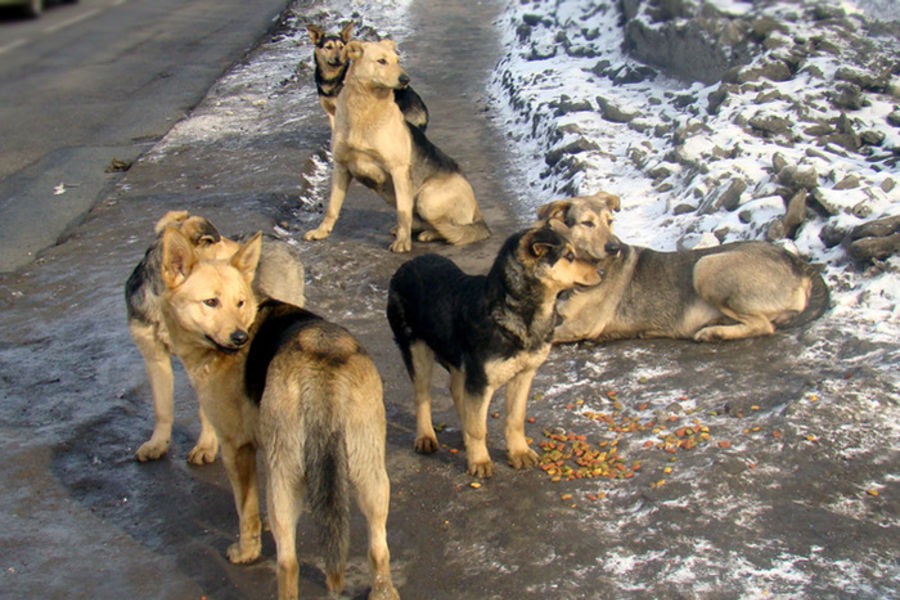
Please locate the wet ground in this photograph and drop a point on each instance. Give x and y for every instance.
(758, 468)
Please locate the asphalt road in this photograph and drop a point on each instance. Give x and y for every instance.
(96, 81)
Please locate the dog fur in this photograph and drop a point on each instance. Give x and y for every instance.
(726, 292)
(374, 144)
(331, 68)
(277, 377)
(279, 275)
(488, 331)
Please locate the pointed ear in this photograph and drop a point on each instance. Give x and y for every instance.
(352, 51)
(554, 210)
(391, 44)
(347, 32)
(612, 201)
(173, 217)
(178, 257)
(200, 231)
(315, 33)
(246, 258)
(540, 241)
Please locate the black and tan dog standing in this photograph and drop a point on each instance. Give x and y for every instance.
(278, 377)
(372, 143)
(331, 68)
(279, 276)
(727, 292)
(488, 331)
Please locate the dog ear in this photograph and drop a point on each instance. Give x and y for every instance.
(347, 32)
(178, 257)
(612, 201)
(541, 241)
(352, 51)
(554, 210)
(316, 33)
(200, 231)
(391, 44)
(246, 258)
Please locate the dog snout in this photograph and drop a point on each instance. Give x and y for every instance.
(239, 337)
(613, 247)
(403, 79)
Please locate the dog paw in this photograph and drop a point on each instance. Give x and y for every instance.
(383, 591)
(240, 553)
(426, 445)
(202, 455)
(400, 246)
(523, 460)
(428, 236)
(707, 334)
(482, 470)
(316, 234)
(151, 451)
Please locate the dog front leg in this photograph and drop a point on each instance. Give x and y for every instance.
(520, 456)
(340, 181)
(158, 364)
(240, 464)
(404, 197)
(474, 422)
(207, 444)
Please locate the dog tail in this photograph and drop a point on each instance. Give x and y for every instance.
(818, 303)
(397, 319)
(327, 487)
(462, 234)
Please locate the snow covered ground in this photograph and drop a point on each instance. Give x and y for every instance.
(672, 159)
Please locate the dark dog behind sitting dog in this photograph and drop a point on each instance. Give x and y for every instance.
(331, 68)
(488, 331)
(725, 292)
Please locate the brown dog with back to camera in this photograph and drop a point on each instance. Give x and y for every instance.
(279, 276)
(726, 292)
(277, 377)
(373, 143)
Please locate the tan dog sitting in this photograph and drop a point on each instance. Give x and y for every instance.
(373, 143)
(732, 291)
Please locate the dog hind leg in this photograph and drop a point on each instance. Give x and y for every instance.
(240, 465)
(746, 326)
(373, 497)
(422, 361)
(284, 510)
(520, 456)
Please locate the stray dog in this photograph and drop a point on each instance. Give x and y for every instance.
(488, 331)
(331, 68)
(727, 292)
(280, 275)
(278, 377)
(373, 143)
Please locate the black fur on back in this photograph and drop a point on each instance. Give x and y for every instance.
(428, 158)
(469, 319)
(276, 324)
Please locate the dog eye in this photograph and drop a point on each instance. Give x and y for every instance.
(588, 224)
(382, 61)
(240, 304)
(211, 302)
(570, 256)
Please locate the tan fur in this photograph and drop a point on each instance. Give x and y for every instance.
(279, 275)
(728, 292)
(371, 142)
(209, 307)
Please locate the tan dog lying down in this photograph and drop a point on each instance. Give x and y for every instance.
(732, 291)
(373, 143)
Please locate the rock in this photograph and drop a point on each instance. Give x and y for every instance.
(818, 130)
(888, 184)
(716, 98)
(779, 162)
(874, 248)
(731, 197)
(776, 70)
(629, 74)
(565, 105)
(871, 137)
(847, 96)
(682, 209)
(831, 235)
(847, 183)
(861, 79)
(556, 154)
(894, 118)
(825, 12)
(883, 227)
(770, 124)
(797, 178)
(817, 201)
(775, 231)
(613, 113)
(795, 215)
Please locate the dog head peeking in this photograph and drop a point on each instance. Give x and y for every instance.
(208, 302)
(329, 48)
(375, 65)
(587, 222)
(555, 261)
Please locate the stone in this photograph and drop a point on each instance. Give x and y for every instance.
(731, 197)
(847, 183)
(770, 124)
(872, 137)
(795, 214)
(877, 228)
(796, 178)
(874, 248)
(613, 113)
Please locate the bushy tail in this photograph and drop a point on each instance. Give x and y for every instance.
(462, 234)
(327, 491)
(397, 320)
(819, 301)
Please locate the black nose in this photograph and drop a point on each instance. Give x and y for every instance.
(239, 337)
(404, 80)
(612, 248)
